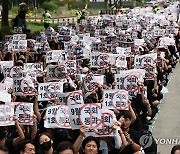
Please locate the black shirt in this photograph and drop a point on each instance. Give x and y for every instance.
(135, 137)
(9, 145)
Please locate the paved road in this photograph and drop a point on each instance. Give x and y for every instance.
(167, 126)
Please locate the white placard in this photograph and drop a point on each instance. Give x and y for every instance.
(57, 117)
(6, 115)
(25, 113)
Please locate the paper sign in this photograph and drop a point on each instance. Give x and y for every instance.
(6, 115)
(24, 112)
(87, 114)
(57, 117)
(104, 129)
(34, 67)
(115, 99)
(5, 97)
(23, 86)
(48, 91)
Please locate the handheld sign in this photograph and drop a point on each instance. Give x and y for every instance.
(24, 112)
(115, 99)
(6, 115)
(57, 117)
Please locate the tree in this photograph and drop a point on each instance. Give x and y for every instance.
(5, 22)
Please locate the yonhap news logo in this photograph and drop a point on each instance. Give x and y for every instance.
(146, 141)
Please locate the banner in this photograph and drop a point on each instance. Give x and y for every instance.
(99, 60)
(108, 118)
(89, 85)
(54, 56)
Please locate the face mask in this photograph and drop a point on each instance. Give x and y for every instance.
(46, 145)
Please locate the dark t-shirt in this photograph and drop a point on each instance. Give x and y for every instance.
(9, 145)
(22, 14)
(135, 137)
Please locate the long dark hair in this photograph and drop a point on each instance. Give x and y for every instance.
(176, 147)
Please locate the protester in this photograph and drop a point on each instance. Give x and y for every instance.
(175, 149)
(90, 87)
(65, 148)
(45, 144)
(3, 150)
(26, 147)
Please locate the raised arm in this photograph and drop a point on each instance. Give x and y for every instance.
(136, 147)
(133, 119)
(36, 108)
(34, 129)
(79, 140)
(19, 131)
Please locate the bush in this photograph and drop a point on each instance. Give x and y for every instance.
(14, 10)
(79, 5)
(50, 5)
(59, 3)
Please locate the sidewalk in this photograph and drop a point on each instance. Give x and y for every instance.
(166, 129)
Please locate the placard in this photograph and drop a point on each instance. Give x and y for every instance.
(57, 117)
(48, 91)
(5, 97)
(23, 86)
(34, 67)
(85, 114)
(6, 115)
(115, 99)
(24, 112)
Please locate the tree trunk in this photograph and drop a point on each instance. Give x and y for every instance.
(5, 23)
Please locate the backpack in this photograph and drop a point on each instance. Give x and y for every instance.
(147, 142)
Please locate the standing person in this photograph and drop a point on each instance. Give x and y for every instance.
(11, 143)
(79, 14)
(22, 15)
(155, 9)
(47, 18)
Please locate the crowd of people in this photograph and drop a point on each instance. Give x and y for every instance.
(101, 35)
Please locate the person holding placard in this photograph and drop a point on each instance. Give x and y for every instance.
(11, 143)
